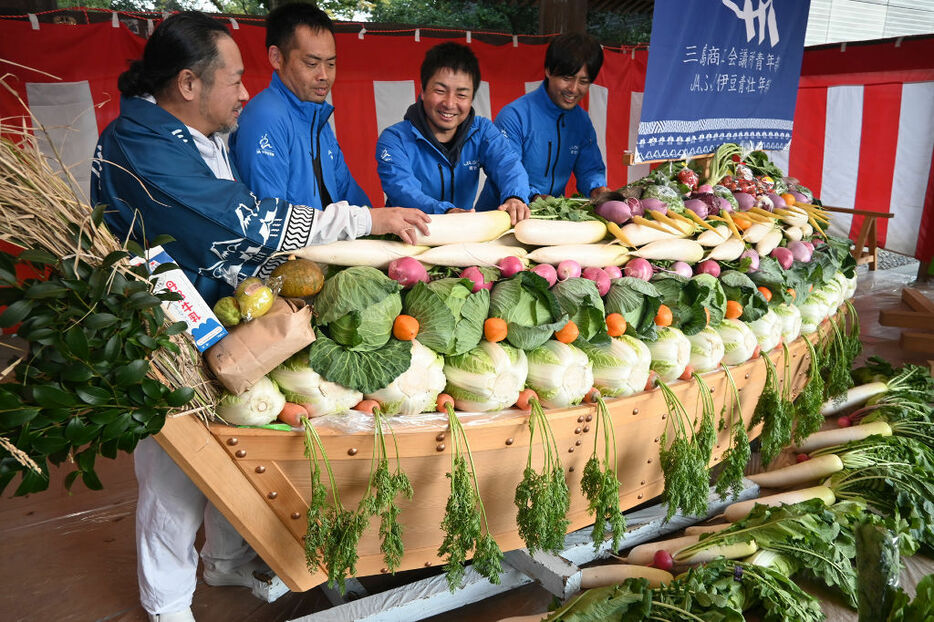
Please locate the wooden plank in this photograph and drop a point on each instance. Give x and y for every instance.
(906, 319)
(917, 301)
(917, 342)
(856, 212)
(202, 458)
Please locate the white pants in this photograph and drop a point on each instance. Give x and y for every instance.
(169, 513)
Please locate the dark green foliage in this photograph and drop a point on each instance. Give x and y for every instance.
(774, 413)
(600, 484)
(736, 457)
(683, 461)
(807, 406)
(83, 389)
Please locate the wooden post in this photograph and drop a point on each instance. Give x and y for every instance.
(562, 16)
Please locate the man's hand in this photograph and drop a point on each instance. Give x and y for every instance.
(458, 210)
(598, 191)
(516, 209)
(402, 221)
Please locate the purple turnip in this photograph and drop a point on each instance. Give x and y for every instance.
(635, 206)
(777, 201)
(784, 256)
(800, 251)
(407, 271)
(745, 201)
(697, 206)
(654, 205)
(614, 211)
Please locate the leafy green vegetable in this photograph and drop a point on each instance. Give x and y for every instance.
(773, 411)
(770, 274)
(562, 208)
(600, 484)
(921, 609)
(683, 462)
(382, 490)
(736, 457)
(450, 317)
(358, 306)
(530, 309)
(542, 497)
(364, 371)
(637, 301)
(580, 300)
(739, 287)
(878, 564)
(462, 522)
(760, 164)
(666, 195)
(702, 295)
(808, 416)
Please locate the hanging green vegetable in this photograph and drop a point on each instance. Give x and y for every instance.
(600, 484)
(735, 458)
(808, 416)
(682, 461)
(772, 412)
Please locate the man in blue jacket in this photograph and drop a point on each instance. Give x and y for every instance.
(551, 132)
(284, 146)
(161, 168)
(432, 159)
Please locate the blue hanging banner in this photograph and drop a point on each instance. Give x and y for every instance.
(721, 71)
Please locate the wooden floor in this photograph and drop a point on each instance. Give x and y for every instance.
(72, 557)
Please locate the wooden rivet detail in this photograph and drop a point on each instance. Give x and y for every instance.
(577, 442)
(580, 419)
(664, 416)
(296, 515)
(577, 430)
(747, 375)
(440, 437)
(427, 564)
(711, 389)
(241, 453)
(639, 496)
(588, 418)
(649, 461)
(635, 411)
(570, 450)
(260, 469)
(656, 439)
(383, 570)
(272, 494)
(509, 441)
(233, 440)
(570, 469)
(440, 447)
(586, 428)
(642, 483)
(352, 451)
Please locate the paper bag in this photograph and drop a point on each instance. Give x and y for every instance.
(255, 348)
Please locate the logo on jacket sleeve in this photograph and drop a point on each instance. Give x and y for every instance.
(384, 156)
(265, 146)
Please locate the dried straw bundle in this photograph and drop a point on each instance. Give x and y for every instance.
(38, 209)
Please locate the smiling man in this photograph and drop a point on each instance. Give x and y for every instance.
(548, 128)
(432, 159)
(285, 147)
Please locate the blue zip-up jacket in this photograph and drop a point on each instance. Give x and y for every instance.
(274, 147)
(149, 172)
(415, 173)
(553, 143)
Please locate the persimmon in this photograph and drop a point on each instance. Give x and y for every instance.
(663, 316)
(734, 310)
(615, 324)
(567, 334)
(495, 329)
(405, 328)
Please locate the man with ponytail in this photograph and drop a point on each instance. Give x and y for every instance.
(162, 168)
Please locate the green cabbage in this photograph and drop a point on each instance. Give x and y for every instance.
(726, 193)
(620, 366)
(358, 306)
(530, 309)
(489, 377)
(579, 298)
(450, 317)
(560, 374)
(637, 301)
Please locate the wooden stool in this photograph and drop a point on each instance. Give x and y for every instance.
(920, 317)
(866, 250)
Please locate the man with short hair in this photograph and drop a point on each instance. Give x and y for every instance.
(161, 168)
(547, 127)
(432, 159)
(284, 146)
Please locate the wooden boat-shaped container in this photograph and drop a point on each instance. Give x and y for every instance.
(260, 479)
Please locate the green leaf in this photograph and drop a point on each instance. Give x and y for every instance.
(364, 371)
(100, 320)
(148, 342)
(450, 317)
(163, 268)
(77, 342)
(47, 289)
(131, 373)
(14, 418)
(51, 444)
(580, 299)
(162, 240)
(70, 479)
(38, 256)
(143, 300)
(91, 480)
(135, 248)
(116, 427)
(97, 214)
(51, 396)
(179, 397)
(15, 313)
(176, 328)
(80, 433)
(113, 257)
(530, 309)
(637, 301)
(33, 482)
(112, 349)
(77, 373)
(95, 396)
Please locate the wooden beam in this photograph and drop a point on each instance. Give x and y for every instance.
(856, 212)
(906, 319)
(917, 301)
(917, 342)
(562, 16)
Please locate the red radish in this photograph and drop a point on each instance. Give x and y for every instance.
(568, 269)
(615, 211)
(547, 272)
(844, 422)
(613, 272)
(817, 241)
(639, 268)
(802, 458)
(682, 269)
(510, 266)
(599, 277)
(784, 256)
(473, 273)
(800, 251)
(407, 271)
(809, 245)
(663, 560)
(708, 266)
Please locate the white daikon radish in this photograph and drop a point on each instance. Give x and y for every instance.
(741, 509)
(538, 232)
(827, 438)
(718, 235)
(613, 574)
(794, 233)
(768, 242)
(374, 253)
(799, 474)
(471, 254)
(727, 251)
(642, 234)
(644, 554)
(857, 396)
(757, 231)
(464, 227)
(673, 250)
(696, 530)
(697, 555)
(587, 255)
